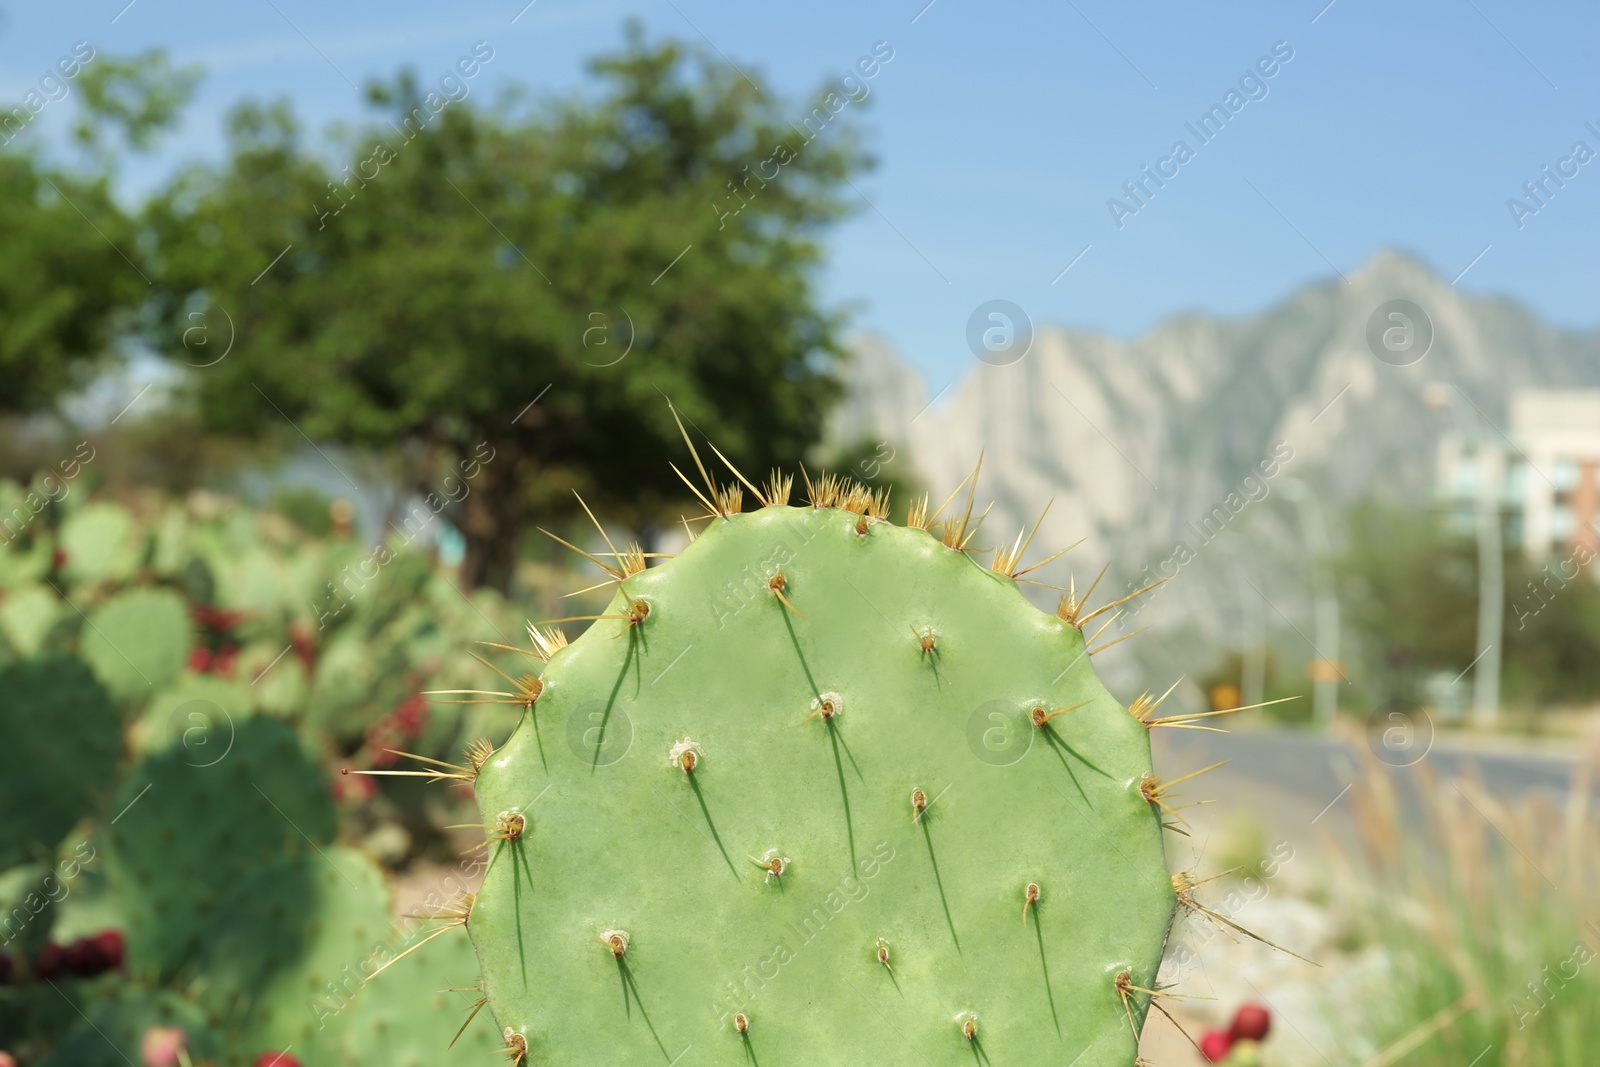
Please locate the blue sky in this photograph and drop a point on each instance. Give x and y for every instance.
(1003, 129)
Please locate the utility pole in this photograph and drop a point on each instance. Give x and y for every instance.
(1491, 559)
(1253, 651)
(1327, 670)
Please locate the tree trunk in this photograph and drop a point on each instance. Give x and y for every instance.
(491, 522)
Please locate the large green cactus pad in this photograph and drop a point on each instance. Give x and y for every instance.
(619, 838)
(194, 820)
(102, 542)
(109, 1029)
(61, 739)
(137, 640)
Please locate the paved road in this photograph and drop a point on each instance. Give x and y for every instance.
(1296, 782)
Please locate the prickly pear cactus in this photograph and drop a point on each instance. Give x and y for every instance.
(102, 542)
(137, 640)
(110, 1031)
(821, 789)
(193, 821)
(61, 743)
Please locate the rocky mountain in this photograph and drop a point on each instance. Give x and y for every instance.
(1182, 452)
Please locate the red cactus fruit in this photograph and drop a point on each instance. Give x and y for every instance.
(1214, 1045)
(1250, 1023)
(276, 1059)
(111, 948)
(200, 659)
(50, 961)
(163, 1046)
(83, 958)
(305, 649)
(410, 715)
(226, 657)
(214, 618)
(58, 559)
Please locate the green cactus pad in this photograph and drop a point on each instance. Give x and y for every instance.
(28, 893)
(28, 615)
(195, 820)
(61, 742)
(26, 547)
(137, 640)
(287, 952)
(275, 676)
(109, 1030)
(186, 710)
(619, 838)
(411, 1012)
(103, 543)
(294, 962)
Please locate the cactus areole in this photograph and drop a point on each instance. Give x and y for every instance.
(717, 851)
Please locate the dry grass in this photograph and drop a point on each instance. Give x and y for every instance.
(1488, 914)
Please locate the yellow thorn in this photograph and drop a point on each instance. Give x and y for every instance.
(1143, 707)
(917, 514)
(1103, 627)
(509, 648)
(442, 930)
(1049, 560)
(603, 535)
(1119, 640)
(614, 572)
(940, 510)
(1005, 561)
(710, 507)
(710, 485)
(811, 493)
(750, 485)
(1124, 600)
(471, 1015)
(1188, 717)
(778, 489)
(1092, 586)
(1195, 774)
(1041, 718)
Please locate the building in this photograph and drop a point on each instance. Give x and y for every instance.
(1545, 478)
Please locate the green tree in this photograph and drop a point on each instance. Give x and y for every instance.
(66, 290)
(1411, 591)
(71, 276)
(530, 285)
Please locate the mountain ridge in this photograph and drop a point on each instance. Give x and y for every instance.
(1139, 440)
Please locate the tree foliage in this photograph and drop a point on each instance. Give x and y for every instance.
(1410, 587)
(533, 284)
(71, 277)
(65, 288)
